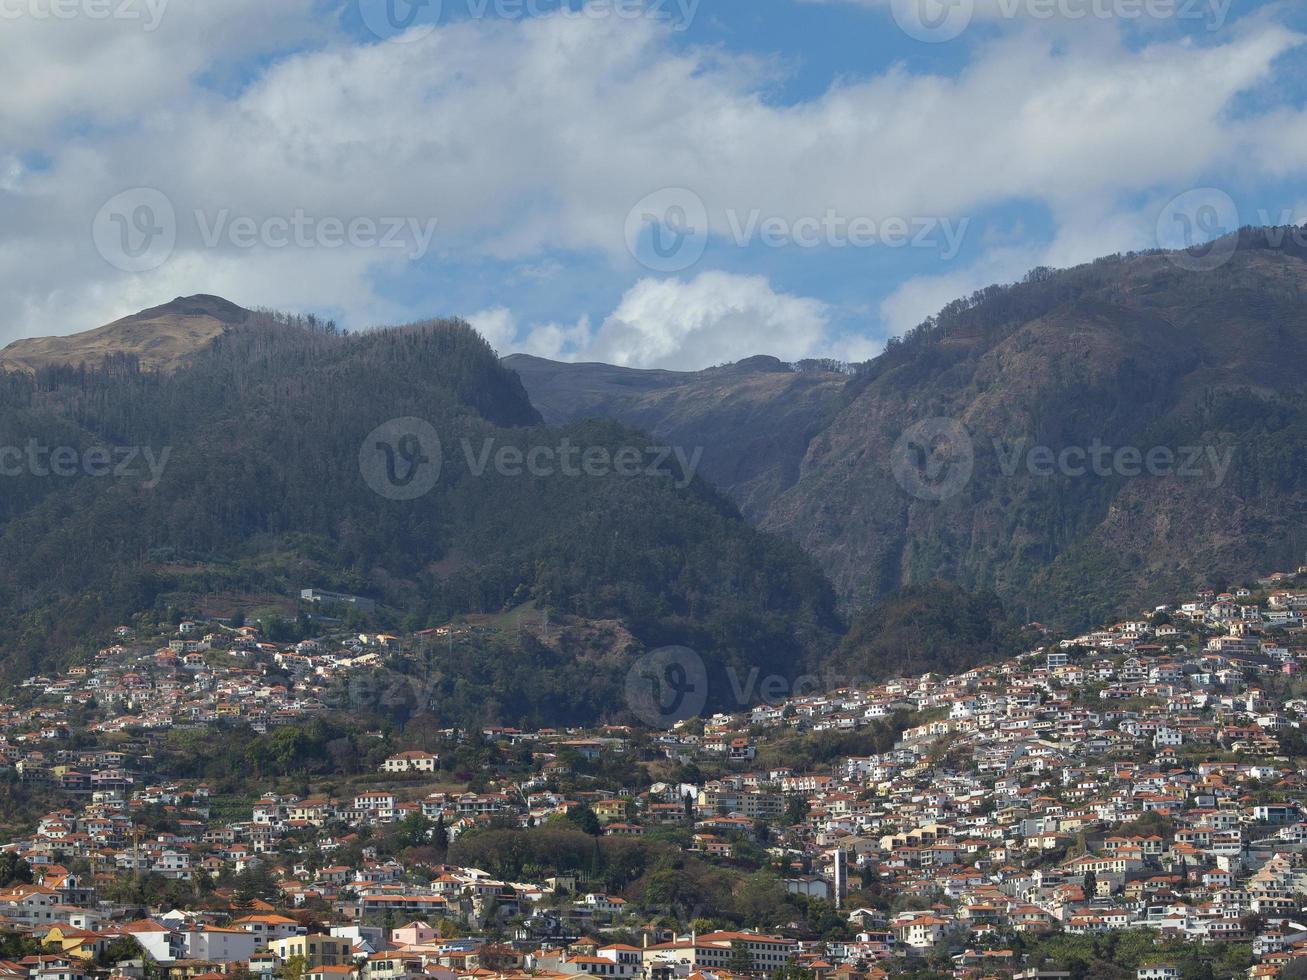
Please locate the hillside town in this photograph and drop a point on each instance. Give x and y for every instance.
(1137, 788)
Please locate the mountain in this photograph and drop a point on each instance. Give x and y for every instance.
(930, 461)
(1135, 353)
(753, 420)
(390, 464)
(277, 454)
(163, 338)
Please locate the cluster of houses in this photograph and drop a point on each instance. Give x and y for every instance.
(196, 678)
(1139, 776)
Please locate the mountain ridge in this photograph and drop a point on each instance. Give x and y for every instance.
(1136, 351)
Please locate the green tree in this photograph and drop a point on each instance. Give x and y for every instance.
(122, 948)
(14, 871)
(741, 960)
(796, 810)
(585, 819)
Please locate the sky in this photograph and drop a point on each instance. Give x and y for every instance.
(652, 183)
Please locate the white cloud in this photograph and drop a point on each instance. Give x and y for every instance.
(677, 324)
(544, 153)
(1276, 142)
(497, 325)
(713, 318)
(110, 63)
(559, 340)
(939, 20)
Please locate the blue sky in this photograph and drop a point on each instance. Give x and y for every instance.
(674, 185)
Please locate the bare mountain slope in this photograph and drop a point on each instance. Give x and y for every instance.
(163, 338)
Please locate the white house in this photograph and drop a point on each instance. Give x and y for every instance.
(217, 945)
(411, 762)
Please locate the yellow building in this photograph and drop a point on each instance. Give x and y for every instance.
(608, 810)
(315, 950)
(76, 942)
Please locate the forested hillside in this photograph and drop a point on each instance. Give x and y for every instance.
(263, 493)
